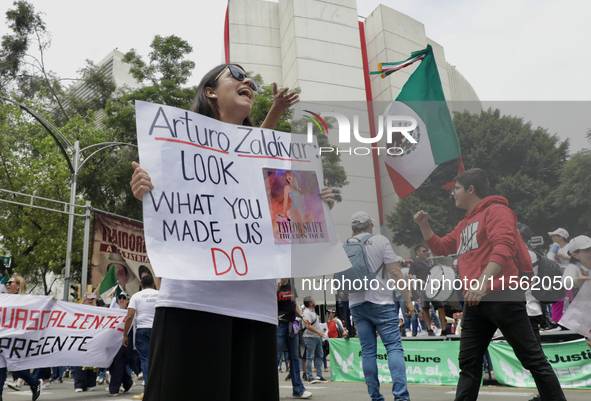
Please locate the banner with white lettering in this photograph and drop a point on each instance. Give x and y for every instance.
(38, 331)
(232, 202)
(118, 243)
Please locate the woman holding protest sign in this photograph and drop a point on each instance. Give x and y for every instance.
(229, 326)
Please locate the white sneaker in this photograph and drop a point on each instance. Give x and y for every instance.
(46, 384)
(15, 385)
(141, 375)
(90, 389)
(305, 394)
(78, 390)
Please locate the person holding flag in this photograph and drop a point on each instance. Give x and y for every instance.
(109, 288)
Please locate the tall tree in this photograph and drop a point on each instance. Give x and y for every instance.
(523, 164)
(572, 198)
(31, 164)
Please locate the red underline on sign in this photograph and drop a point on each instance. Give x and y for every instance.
(275, 158)
(190, 143)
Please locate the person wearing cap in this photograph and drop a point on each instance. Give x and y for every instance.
(490, 256)
(374, 310)
(559, 253)
(335, 327)
(118, 368)
(580, 249)
(579, 271)
(559, 248)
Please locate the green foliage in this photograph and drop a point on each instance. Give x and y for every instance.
(24, 23)
(162, 81)
(523, 165)
(30, 164)
(573, 196)
(263, 102)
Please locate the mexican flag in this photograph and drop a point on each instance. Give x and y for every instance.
(422, 98)
(109, 286)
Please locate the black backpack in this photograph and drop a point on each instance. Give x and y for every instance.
(546, 289)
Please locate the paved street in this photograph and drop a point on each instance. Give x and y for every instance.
(323, 391)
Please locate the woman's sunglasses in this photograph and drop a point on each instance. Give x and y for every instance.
(238, 75)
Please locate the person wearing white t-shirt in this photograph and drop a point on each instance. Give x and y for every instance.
(559, 253)
(142, 307)
(373, 310)
(559, 248)
(580, 249)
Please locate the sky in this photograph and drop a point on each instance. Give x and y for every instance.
(529, 58)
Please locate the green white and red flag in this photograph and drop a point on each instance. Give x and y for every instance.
(422, 98)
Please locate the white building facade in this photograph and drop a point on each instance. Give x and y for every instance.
(324, 48)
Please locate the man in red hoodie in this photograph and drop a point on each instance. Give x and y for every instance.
(489, 252)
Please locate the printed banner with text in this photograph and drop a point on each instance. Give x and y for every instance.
(571, 362)
(38, 331)
(232, 202)
(427, 362)
(118, 244)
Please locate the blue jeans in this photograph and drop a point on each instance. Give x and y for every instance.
(293, 344)
(314, 352)
(142, 343)
(409, 321)
(479, 323)
(30, 378)
(369, 318)
(58, 372)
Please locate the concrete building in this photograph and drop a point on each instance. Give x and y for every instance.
(324, 48)
(111, 65)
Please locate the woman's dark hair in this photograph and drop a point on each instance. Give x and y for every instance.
(207, 106)
(143, 269)
(475, 177)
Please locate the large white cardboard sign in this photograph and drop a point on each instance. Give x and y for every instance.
(37, 331)
(578, 315)
(232, 202)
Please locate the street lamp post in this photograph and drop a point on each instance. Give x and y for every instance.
(74, 165)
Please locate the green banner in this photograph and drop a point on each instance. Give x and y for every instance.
(427, 362)
(5, 260)
(571, 362)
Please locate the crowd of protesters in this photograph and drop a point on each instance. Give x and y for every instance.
(237, 338)
(130, 363)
